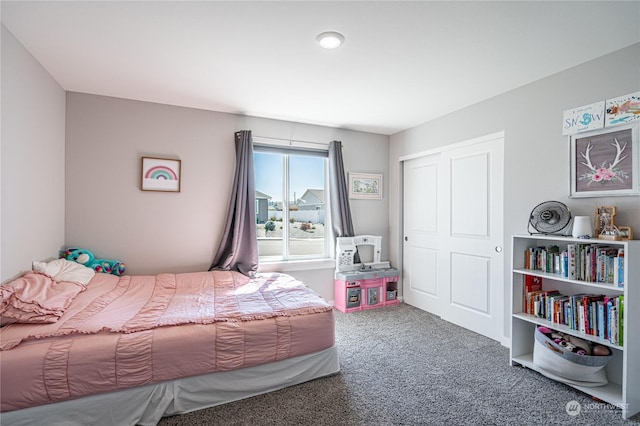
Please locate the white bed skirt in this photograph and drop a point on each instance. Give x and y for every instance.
(146, 405)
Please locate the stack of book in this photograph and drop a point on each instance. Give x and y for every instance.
(593, 314)
(584, 262)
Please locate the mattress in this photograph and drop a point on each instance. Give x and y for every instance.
(146, 405)
(134, 331)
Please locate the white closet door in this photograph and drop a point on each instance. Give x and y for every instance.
(453, 261)
(423, 229)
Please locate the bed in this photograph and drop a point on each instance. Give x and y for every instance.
(132, 349)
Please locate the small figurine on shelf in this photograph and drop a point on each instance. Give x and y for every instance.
(626, 233)
(609, 230)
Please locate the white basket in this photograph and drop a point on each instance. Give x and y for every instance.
(557, 363)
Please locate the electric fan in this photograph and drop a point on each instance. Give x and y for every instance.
(549, 217)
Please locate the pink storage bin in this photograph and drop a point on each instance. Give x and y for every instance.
(347, 295)
(391, 291)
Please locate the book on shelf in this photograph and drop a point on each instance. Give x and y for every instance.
(592, 314)
(532, 285)
(541, 303)
(575, 305)
(589, 304)
(613, 323)
(557, 304)
(618, 269)
(602, 320)
(529, 302)
(571, 255)
(592, 262)
(607, 301)
(620, 320)
(580, 310)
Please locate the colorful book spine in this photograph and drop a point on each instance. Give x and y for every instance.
(602, 323)
(607, 307)
(621, 320)
(571, 254)
(592, 314)
(564, 264)
(618, 269)
(613, 323)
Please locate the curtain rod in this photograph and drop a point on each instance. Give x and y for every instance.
(325, 144)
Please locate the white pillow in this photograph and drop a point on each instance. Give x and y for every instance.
(65, 270)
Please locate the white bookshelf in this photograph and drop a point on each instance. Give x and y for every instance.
(623, 371)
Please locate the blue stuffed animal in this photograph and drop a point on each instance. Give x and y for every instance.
(86, 258)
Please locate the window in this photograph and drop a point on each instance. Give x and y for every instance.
(290, 203)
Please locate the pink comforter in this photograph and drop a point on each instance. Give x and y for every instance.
(139, 302)
(135, 330)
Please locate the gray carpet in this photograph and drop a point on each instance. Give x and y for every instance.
(403, 366)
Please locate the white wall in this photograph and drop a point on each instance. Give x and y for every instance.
(32, 161)
(156, 232)
(536, 153)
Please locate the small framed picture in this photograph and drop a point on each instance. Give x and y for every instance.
(604, 163)
(365, 186)
(160, 174)
(625, 232)
(605, 217)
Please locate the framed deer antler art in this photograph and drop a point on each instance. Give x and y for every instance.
(604, 163)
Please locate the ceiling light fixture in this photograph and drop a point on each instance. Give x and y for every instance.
(330, 39)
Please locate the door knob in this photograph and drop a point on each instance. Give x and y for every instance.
(406, 238)
(498, 249)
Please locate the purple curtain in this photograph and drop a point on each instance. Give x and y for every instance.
(238, 249)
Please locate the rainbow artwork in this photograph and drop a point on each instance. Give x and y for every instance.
(160, 174)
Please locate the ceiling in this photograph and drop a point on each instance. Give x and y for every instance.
(403, 63)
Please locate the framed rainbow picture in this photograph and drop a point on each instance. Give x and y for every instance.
(160, 174)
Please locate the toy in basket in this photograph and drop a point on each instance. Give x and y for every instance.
(569, 359)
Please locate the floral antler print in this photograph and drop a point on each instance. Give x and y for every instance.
(604, 174)
(618, 152)
(586, 157)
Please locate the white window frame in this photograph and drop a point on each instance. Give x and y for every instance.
(286, 262)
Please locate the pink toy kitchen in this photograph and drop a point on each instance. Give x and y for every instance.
(362, 281)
